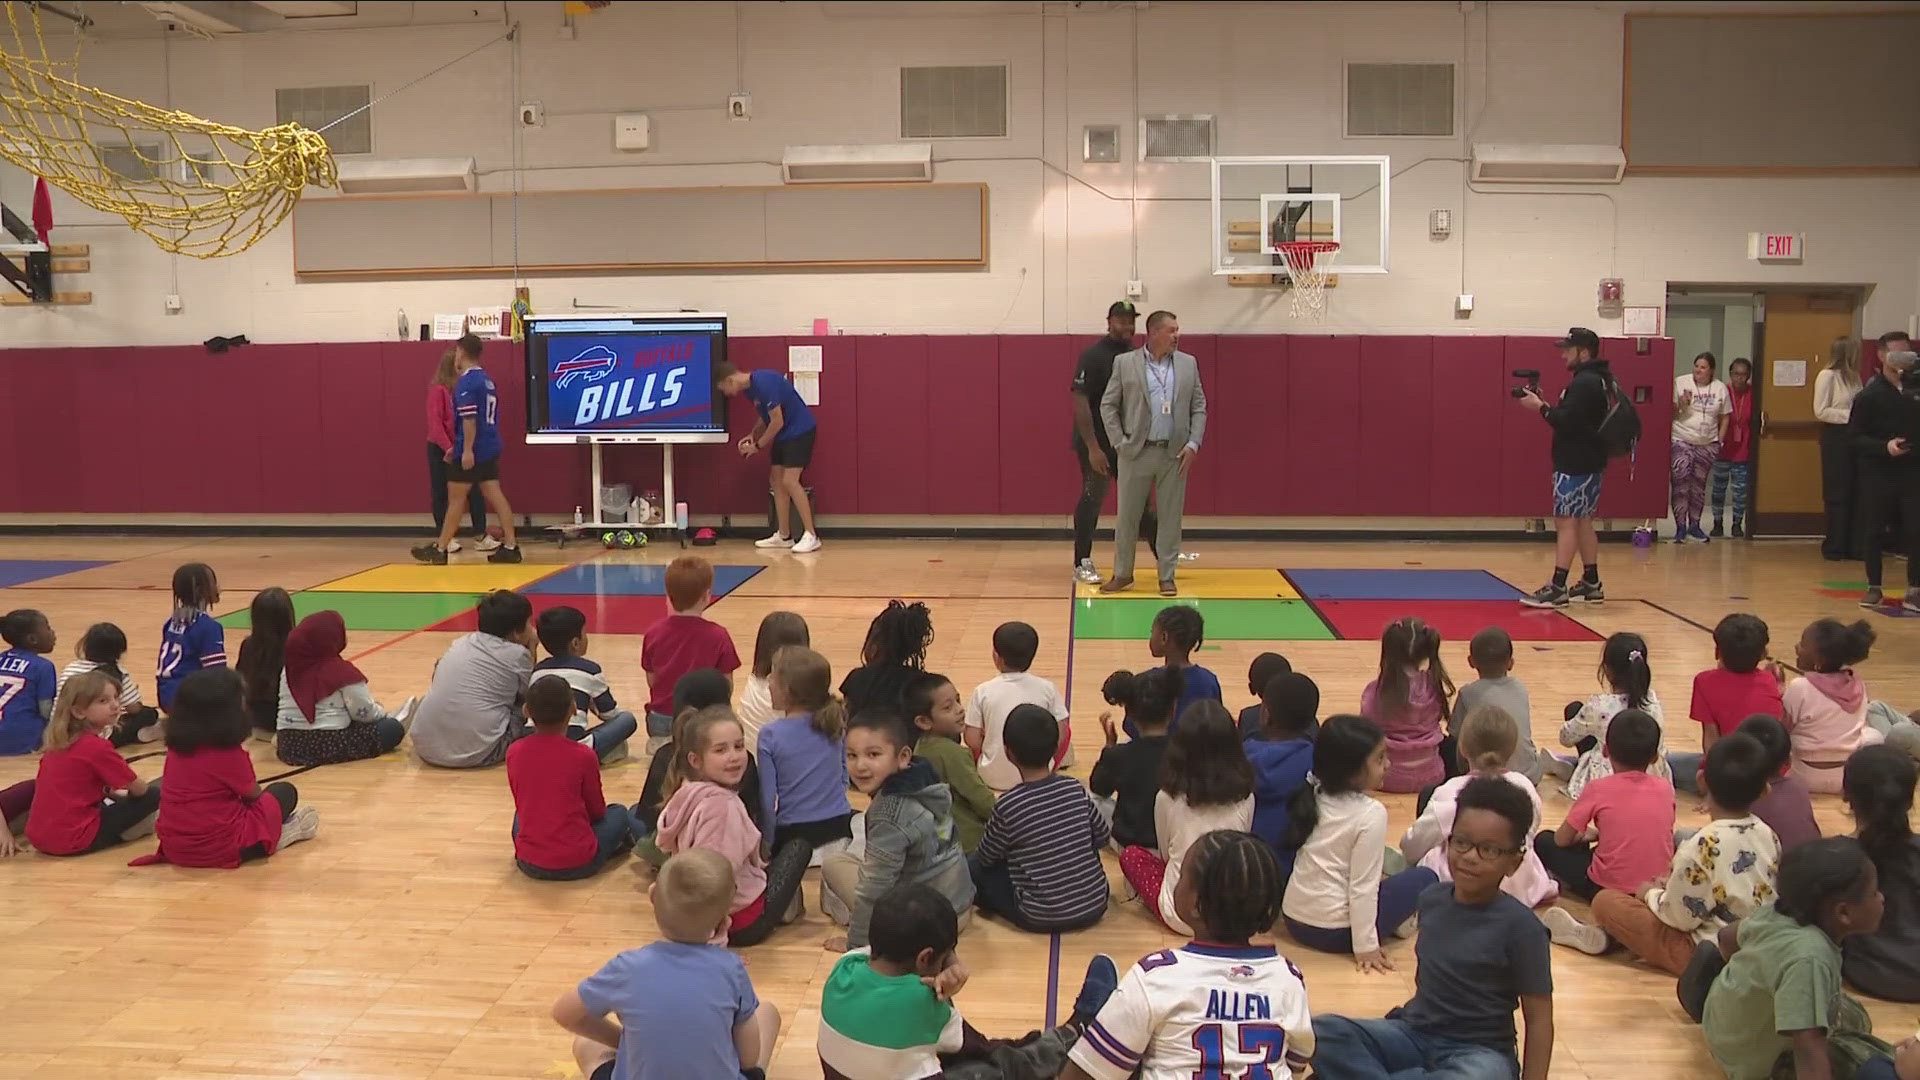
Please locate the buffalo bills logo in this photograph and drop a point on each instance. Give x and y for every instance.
(1240, 971)
(591, 366)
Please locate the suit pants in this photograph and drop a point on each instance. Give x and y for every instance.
(1157, 468)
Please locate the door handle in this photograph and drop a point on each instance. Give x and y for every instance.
(1763, 423)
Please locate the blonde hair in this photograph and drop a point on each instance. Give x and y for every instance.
(79, 692)
(1843, 358)
(443, 375)
(808, 680)
(1488, 738)
(692, 894)
(690, 737)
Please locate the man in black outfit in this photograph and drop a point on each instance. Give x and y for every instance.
(1884, 427)
(1090, 440)
(1579, 466)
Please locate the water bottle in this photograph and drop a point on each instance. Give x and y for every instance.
(680, 516)
(578, 518)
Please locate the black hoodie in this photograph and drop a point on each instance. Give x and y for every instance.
(1577, 447)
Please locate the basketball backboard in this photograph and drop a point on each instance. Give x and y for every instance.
(1259, 202)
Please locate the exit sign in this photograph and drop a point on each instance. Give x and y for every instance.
(1775, 247)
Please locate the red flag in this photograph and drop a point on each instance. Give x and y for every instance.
(42, 209)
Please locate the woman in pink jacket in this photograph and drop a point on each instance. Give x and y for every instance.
(439, 445)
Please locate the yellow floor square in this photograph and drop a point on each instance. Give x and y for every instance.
(1214, 584)
(457, 578)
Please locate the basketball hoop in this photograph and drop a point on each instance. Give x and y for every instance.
(1309, 283)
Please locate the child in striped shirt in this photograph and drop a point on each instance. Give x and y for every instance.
(101, 648)
(1038, 864)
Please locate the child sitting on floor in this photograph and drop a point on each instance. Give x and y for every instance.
(685, 1006)
(778, 629)
(1265, 668)
(1629, 685)
(263, 655)
(1038, 865)
(1787, 806)
(1729, 692)
(562, 631)
(1488, 736)
(684, 641)
(1884, 963)
(1408, 701)
(894, 652)
(1337, 901)
(1127, 775)
(327, 714)
(563, 827)
(101, 649)
(909, 832)
(1014, 646)
(1629, 809)
(213, 812)
(1206, 785)
(1179, 631)
(1825, 710)
(24, 711)
(471, 712)
(940, 722)
(1490, 655)
(86, 797)
(1281, 754)
(703, 810)
(803, 768)
(695, 691)
(192, 639)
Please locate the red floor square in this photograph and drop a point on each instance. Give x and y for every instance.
(605, 614)
(1457, 620)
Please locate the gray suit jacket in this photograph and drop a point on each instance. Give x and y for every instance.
(1124, 409)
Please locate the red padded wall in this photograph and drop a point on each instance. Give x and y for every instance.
(1396, 424)
(890, 383)
(1038, 474)
(1247, 402)
(1468, 404)
(961, 421)
(1322, 464)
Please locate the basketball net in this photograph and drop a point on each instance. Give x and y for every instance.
(193, 186)
(1308, 292)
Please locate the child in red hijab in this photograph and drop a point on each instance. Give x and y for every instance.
(327, 714)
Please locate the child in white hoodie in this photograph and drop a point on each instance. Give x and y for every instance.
(1825, 710)
(1488, 738)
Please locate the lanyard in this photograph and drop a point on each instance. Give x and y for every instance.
(1157, 380)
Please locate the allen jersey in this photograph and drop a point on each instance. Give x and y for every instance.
(474, 399)
(1202, 1012)
(186, 648)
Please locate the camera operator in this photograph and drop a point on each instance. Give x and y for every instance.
(1579, 465)
(1885, 428)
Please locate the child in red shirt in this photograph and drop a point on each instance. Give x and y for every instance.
(1724, 696)
(563, 829)
(1632, 811)
(683, 641)
(85, 797)
(213, 812)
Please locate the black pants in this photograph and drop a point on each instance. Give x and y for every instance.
(816, 833)
(1093, 495)
(437, 480)
(1568, 865)
(784, 874)
(994, 894)
(1840, 491)
(127, 731)
(288, 797)
(118, 816)
(1885, 497)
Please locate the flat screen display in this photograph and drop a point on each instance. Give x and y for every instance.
(624, 374)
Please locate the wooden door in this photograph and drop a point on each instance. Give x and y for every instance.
(1799, 328)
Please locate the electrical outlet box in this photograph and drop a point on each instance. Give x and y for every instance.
(1440, 224)
(1463, 304)
(533, 114)
(173, 303)
(740, 106)
(632, 131)
(1136, 289)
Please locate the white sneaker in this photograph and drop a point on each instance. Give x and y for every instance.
(1085, 574)
(455, 546)
(152, 733)
(301, 826)
(404, 713)
(486, 543)
(1188, 556)
(1566, 930)
(807, 543)
(774, 541)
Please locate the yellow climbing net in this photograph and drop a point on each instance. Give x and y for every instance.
(193, 186)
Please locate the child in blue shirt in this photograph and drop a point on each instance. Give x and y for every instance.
(192, 640)
(1177, 632)
(786, 425)
(685, 1007)
(802, 755)
(28, 680)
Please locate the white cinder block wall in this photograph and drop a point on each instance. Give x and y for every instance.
(1061, 249)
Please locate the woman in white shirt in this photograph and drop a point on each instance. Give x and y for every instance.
(1833, 392)
(1701, 405)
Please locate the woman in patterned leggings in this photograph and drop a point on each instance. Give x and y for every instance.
(1701, 405)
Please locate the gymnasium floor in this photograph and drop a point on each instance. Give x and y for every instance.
(402, 943)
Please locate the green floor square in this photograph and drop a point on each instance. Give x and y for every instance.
(372, 610)
(1227, 620)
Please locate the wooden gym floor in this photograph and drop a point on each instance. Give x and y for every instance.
(402, 942)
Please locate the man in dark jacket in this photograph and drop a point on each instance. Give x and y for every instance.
(1579, 466)
(1884, 425)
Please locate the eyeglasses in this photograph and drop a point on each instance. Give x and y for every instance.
(1485, 851)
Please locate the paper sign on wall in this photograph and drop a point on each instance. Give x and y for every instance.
(1640, 322)
(486, 322)
(448, 327)
(807, 385)
(1789, 373)
(804, 358)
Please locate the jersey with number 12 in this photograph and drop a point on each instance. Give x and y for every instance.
(474, 399)
(1203, 1012)
(187, 647)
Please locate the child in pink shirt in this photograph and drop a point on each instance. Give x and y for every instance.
(1825, 710)
(1408, 701)
(1632, 811)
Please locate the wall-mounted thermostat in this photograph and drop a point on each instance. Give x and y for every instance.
(632, 131)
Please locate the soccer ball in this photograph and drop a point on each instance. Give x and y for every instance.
(629, 539)
(610, 539)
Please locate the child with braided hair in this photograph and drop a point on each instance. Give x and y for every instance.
(895, 651)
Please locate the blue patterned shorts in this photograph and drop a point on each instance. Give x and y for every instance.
(1576, 495)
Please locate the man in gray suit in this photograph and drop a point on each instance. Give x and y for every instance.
(1156, 415)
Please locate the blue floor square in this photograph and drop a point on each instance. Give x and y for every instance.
(21, 571)
(623, 579)
(1401, 585)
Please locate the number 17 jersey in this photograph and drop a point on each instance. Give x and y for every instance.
(1203, 1012)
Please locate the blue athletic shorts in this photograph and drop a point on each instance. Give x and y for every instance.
(1576, 495)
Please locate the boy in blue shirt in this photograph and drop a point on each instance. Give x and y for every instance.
(685, 1005)
(786, 425)
(27, 680)
(475, 457)
(192, 639)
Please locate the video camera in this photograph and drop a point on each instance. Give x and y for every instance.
(1532, 380)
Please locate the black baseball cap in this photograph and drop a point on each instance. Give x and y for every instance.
(1122, 307)
(1579, 337)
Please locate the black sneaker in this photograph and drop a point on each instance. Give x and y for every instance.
(1739, 529)
(1720, 528)
(1872, 598)
(505, 555)
(1591, 592)
(432, 554)
(1546, 596)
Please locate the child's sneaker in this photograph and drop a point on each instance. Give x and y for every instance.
(1566, 930)
(304, 823)
(152, 733)
(486, 543)
(1546, 596)
(404, 713)
(1101, 981)
(431, 554)
(1590, 592)
(1085, 574)
(807, 543)
(505, 555)
(455, 547)
(775, 541)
